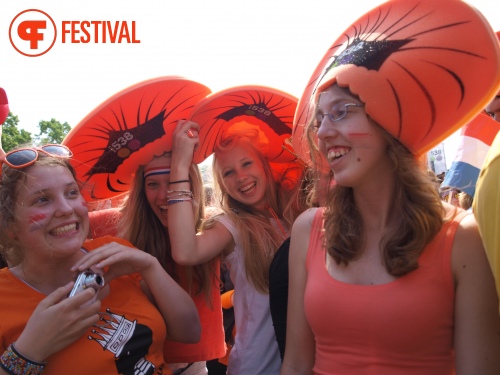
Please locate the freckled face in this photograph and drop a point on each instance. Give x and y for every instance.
(243, 175)
(493, 108)
(51, 215)
(156, 186)
(354, 148)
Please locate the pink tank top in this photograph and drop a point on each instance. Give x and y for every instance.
(401, 327)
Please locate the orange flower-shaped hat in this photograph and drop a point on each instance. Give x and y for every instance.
(128, 130)
(266, 109)
(423, 68)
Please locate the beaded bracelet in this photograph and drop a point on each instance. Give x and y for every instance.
(14, 363)
(179, 193)
(177, 182)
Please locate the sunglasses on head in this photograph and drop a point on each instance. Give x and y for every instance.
(24, 157)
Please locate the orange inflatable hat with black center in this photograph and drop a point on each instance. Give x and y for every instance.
(127, 131)
(268, 110)
(423, 69)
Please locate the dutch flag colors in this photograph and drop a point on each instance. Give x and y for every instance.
(475, 141)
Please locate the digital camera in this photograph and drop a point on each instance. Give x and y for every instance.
(87, 279)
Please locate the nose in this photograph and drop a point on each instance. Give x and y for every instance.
(327, 129)
(163, 192)
(64, 207)
(241, 175)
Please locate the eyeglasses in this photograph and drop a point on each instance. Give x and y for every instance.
(337, 113)
(25, 157)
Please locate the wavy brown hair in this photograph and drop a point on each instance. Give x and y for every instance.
(416, 205)
(260, 238)
(140, 225)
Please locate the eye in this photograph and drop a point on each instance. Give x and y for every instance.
(337, 112)
(247, 163)
(151, 184)
(41, 200)
(227, 173)
(74, 192)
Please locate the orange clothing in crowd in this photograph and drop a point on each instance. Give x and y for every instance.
(128, 320)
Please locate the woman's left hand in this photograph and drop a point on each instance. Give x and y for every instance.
(115, 260)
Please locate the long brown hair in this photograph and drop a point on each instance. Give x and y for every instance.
(140, 225)
(416, 204)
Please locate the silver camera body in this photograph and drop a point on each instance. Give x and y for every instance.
(87, 279)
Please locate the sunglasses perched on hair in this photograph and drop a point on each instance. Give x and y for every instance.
(25, 157)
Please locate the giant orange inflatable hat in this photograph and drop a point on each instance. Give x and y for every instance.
(128, 130)
(268, 110)
(423, 68)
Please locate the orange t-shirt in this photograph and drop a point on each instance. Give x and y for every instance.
(211, 344)
(131, 330)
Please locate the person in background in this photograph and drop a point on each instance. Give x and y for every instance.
(387, 278)
(486, 204)
(116, 327)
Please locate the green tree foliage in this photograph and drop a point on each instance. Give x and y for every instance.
(52, 131)
(11, 135)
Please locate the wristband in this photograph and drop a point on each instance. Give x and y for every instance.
(14, 363)
(177, 182)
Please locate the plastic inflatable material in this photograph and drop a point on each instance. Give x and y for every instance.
(423, 68)
(268, 109)
(128, 130)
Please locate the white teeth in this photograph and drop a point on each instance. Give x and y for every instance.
(64, 229)
(247, 187)
(337, 154)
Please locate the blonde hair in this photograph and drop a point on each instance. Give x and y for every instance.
(416, 205)
(140, 225)
(260, 238)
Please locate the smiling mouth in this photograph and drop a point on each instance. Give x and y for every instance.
(64, 229)
(337, 154)
(248, 187)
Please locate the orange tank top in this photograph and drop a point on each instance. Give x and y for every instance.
(401, 327)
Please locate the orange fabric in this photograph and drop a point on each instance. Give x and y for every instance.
(93, 352)
(211, 344)
(401, 327)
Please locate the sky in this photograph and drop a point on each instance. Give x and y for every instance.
(219, 43)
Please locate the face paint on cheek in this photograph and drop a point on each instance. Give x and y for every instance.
(36, 222)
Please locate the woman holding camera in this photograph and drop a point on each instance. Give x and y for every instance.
(120, 314)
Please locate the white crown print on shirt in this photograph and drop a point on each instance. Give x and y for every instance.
(114, 333)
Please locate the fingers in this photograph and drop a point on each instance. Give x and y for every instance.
(57, 295)
(95, 257)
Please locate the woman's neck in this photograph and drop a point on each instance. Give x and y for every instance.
(45, 277)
